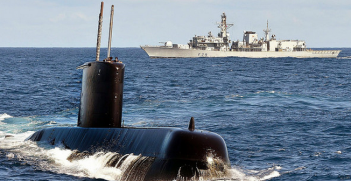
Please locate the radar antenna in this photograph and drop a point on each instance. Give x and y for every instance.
(267, 32)
(224, 26)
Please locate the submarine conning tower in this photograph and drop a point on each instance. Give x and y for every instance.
(102, 87)
(102, 94)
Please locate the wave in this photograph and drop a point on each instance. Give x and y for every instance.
(55, 159)
(14, 125)
(4, 116)
(347, 57)
(288, 100)
(254, 175)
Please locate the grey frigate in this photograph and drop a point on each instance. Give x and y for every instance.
(251, 46)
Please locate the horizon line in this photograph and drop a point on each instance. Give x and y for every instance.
(123, 47)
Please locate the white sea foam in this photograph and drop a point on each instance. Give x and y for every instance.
(347, 57)
(4, 116)
(139, 123)
(271, 175)
(237, 174)
(55, 159)
(254, 175)
(233, 96)
(91, 166)
(10, 155)
(9, 141)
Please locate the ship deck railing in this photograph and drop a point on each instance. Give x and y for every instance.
(247, 49)
(155, 46)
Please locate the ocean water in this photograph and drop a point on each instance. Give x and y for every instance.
(281, 118)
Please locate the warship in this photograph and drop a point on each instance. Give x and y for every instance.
(251, 46)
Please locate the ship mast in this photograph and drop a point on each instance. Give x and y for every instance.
(267, 32)
(224, 26)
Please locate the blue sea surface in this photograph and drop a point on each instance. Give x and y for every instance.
(281, 118)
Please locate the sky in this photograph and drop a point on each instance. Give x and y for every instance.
(74, 23)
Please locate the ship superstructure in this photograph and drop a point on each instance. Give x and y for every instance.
(211, 43)
(252, 43)
(250, 46)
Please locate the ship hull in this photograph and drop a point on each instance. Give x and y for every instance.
(166, 52)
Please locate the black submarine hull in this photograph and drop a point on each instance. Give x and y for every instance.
(163, 153)
(172, 152)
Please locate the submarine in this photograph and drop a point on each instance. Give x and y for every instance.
(164, 153)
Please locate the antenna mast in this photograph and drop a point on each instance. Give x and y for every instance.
(267, 32)
(110, 32)
(99, 32)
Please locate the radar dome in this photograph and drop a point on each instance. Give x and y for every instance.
(168, 44)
